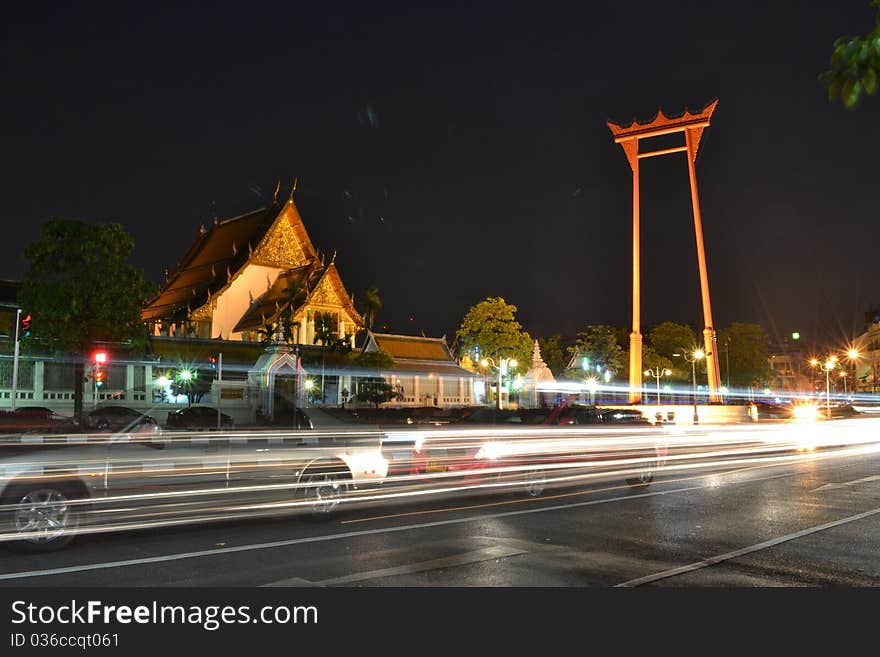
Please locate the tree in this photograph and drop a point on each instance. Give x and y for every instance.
(371, 304)
(375, 390)
(855, 66)
(553, 352)
(653, 361)
(670, 338)
(193, 383)
(375, 360)
(80, 291)
(749, 354)
(598, 344)
(667, 339)
(370, 389)
(490, 330)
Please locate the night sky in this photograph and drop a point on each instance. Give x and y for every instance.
(460, 151)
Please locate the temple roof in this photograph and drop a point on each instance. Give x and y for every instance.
(216, 254)
(410, 346)
(270, 305)
(417, 354)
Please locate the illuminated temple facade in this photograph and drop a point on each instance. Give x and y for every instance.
(243, 275)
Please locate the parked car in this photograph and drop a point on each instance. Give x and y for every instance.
(198, 417)
(121, 419)
(567, 414)
(31, 419)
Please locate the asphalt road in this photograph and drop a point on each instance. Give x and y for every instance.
(811, 522)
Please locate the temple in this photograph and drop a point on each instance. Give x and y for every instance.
(243, 276)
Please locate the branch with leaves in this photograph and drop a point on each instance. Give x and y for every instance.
(855, 66)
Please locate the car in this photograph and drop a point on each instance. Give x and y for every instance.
(56, 487)
(623, 416)
(31, 419)
(533, 454)
(121, 419)
(198, 417)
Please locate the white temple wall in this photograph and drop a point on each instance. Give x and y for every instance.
(236, 299)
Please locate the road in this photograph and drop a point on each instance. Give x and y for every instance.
(814, 521)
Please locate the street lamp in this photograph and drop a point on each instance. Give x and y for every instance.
(592, 384)
(696, 355)
(843, 376)
(658, 373)
(853, 355)
(826, 367)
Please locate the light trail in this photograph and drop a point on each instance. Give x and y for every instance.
(195, 479)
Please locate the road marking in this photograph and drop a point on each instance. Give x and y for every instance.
(486, 554)
(352, 534)
(647, 579)
(846, 483)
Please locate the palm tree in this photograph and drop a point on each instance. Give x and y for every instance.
(371, 304)
(266, 332)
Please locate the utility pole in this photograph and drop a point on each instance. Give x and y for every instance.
(219, 387)
(15, 358)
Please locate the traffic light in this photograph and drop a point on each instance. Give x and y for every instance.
(24, 328)
(99, 358)
(213, 361)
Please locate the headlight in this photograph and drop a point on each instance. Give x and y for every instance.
(490, 451)
(806, 412)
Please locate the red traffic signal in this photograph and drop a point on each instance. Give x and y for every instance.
(213, 361)
(100, 357)
(24, 330)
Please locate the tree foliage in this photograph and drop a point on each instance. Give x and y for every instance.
(749, 354)
(670, 338)
(370, 305)
(79, 290)
(598, 343)
(553, 351)
(375, 390)
(854, 67)
(490, 329)
(651, 360)
(374, 360)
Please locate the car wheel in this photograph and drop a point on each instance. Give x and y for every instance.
(42, 511)
(536, 482)
(645, 477)
(323, 491)
(103, 424)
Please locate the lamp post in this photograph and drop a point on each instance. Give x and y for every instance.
(592, 384)
(853, 355)
(696, 355)
(843, 376)
(826, 367)
(658, 373)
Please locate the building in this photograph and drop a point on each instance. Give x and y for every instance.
(257, 320)
(425, 373)
(243, 275)
(867, 365)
